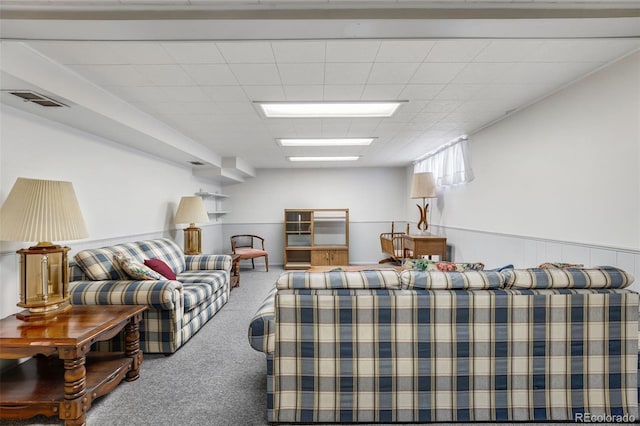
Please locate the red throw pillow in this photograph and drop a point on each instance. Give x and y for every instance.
(161, 267)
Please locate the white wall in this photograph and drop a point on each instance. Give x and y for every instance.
(374, 197)
(556, 182)
(124, 194)
(566, 168)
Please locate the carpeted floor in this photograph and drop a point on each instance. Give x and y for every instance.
(216, 378)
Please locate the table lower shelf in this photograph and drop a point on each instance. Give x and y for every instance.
(36, 387)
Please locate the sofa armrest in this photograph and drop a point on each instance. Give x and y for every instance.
(161, 295)
(262, 328)
(203, 262)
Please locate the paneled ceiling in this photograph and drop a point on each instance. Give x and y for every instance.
(457, 76)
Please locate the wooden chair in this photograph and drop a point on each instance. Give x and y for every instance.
(245, 246)
(392, 244)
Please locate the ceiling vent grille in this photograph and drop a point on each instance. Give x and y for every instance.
(196, 163)
(37, 98)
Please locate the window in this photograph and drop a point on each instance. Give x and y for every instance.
(450, 164)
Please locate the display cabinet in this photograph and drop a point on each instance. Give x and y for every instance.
(315, 237)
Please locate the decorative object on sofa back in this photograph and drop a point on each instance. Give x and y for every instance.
(598, 277)
(438, 265)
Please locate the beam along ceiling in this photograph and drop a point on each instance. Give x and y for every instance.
(201, 75)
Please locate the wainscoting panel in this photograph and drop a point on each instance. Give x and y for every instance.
(496, 250)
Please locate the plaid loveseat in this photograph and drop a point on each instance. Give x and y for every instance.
(177, 309)
(522, 345)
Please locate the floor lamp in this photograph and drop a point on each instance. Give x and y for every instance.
(191, 210)
(42, 210)
(424, 186)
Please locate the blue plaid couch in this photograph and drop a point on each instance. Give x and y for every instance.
(177, 309)
(518, 345)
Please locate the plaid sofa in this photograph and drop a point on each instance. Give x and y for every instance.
(177, 309)
(519, 345)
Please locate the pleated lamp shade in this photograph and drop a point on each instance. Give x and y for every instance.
(41, 210)
(191, 210)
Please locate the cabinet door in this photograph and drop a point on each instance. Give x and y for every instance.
(321, 257)
(339, 257)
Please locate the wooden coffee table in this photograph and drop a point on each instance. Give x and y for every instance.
(65, 378)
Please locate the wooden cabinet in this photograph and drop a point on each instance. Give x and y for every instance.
(316, 237)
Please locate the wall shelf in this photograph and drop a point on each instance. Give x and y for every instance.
(213, 203)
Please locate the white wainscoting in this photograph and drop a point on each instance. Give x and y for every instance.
(495, 250)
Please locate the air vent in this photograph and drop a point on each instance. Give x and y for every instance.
(36, 98)
(196, 163)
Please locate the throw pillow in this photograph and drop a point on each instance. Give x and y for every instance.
(135, 270)
(161, 267)
(559, 265)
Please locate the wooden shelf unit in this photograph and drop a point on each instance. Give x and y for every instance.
(315, 237)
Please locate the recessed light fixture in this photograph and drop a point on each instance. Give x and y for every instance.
(328, 109)
(345, 158)
(326, 142)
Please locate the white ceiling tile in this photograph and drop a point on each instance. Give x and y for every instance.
(81, 52)
(303, 93)
(364, 127)
(194, 52)
(251, 52)
(186, 94)
(210, 74)
(308, 127)
(342, 92)
(335, 127)
(113, 75)
(546, 73)
(301, 73)
(421, 91)
(258, 74)
(458, 92)
(412, 105)
(576, 51)
(456, 50)
(352, 50)
(166, 75)
(436, 73)
(299, 51)
(392, 73)
(378, 92)
(225, 93)
(507, 50)
(486, 72)
(428, 117)
(441, 106)
(347, 73)
(265, 93)
(150, 53)
(404, 50)
(143, 94)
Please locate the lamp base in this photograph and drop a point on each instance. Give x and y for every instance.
(192, 240)
(44, 312)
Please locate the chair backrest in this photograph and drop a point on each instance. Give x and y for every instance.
(241, 241)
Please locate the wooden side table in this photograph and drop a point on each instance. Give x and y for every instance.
(425, 245)
(68, 378)
(235, 270)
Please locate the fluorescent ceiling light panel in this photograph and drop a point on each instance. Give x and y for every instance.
(326, 142)
(345, 158)
(328, 109)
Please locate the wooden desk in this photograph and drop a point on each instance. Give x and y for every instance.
(67, 379)
(416, 246)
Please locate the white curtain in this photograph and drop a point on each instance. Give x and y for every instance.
(450, 165)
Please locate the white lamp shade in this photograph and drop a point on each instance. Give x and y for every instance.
(424, 186)
(191, 210)
(41, 210)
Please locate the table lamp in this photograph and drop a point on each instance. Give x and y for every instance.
(42, 210)
(191, 210)
(424, 186)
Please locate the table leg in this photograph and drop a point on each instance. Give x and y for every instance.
(132, 348)
(73, 409)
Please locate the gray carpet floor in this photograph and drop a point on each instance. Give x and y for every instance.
(216, 378)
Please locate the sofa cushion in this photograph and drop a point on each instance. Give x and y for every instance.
(161, 268)
(438, 280)
(99, 263)
(379, 278)
(599, 277)
(136, 270)
(200, 286)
